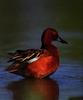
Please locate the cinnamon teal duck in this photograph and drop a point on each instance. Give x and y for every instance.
(37, 63)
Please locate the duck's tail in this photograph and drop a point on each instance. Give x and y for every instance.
(17, 68)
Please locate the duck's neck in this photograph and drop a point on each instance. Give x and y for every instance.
(53, 50)
(48, 46)
(44, 45)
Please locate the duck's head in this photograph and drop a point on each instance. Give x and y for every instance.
(50, 35)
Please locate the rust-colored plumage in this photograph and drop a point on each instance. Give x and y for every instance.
(37, 63)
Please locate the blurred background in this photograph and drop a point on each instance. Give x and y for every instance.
(23, 21)
(21, 25)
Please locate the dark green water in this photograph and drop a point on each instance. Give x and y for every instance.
(21, 25)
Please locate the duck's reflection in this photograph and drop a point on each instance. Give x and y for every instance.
(44, 89)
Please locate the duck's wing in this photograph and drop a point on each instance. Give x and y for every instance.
(24, 55)
(21, 58)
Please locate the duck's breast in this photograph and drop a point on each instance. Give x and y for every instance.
(44, 66)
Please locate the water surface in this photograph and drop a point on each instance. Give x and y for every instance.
(21, 26)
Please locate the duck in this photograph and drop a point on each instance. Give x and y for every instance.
(37, 63)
